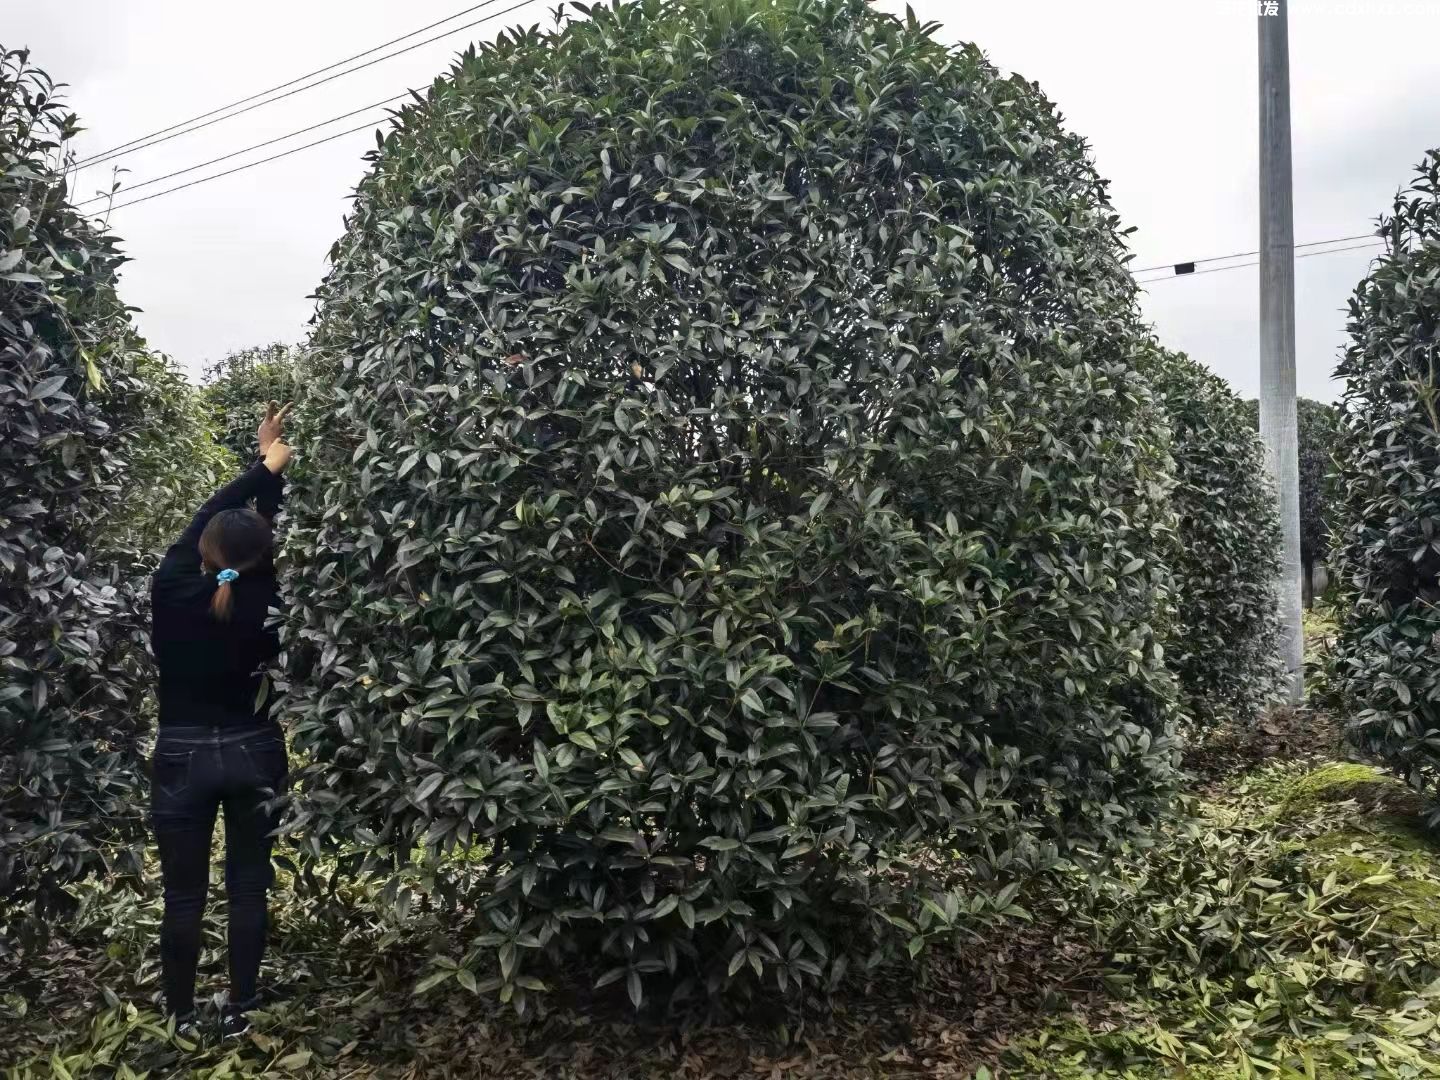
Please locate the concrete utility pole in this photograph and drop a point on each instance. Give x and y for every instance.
(1277, 321)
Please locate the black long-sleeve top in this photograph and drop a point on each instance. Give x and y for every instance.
(211, 671)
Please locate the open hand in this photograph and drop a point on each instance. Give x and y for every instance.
(272, 426)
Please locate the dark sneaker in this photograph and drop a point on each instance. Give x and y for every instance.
(234, 1022)
(187, 1027)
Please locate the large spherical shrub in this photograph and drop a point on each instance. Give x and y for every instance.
(101, 443)
(729, 492)
(1223, 644)
(1387, 662)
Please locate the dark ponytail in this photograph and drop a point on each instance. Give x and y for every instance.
(234, 541)
(222, 602)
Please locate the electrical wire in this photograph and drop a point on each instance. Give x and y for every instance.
(246, 150)
(1243, 254)
(280, 86)
(147, 141)
(1242, 266)
(1332, 251)
(242, 168)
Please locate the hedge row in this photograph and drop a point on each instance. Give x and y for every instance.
(102, 445)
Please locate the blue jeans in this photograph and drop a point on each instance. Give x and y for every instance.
(196, 771)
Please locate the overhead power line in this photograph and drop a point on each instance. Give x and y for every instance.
(1243, 254)
(1241, 266)
(246, 150)
(175, 131)
(1332, 251)
(242, 168)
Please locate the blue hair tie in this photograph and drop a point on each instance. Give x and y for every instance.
(224, 577)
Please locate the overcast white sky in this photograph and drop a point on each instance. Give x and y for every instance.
(1163, 89)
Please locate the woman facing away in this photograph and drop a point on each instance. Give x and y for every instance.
(217, 746)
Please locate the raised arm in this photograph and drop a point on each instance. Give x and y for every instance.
(261, 482)
(268, 498)
(256, 482)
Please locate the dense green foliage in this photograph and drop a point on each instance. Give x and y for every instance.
(1387, 664)
(795, 598)
(1317, 434)
(172, 458)
(1285, 928)
(815, 536)
(95, 434)
(238, 388)
(1222, 645)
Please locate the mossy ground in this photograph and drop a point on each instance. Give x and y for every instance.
(1372, 791)
(1287, 926)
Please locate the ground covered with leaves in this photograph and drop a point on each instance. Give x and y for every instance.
(1284, 924)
